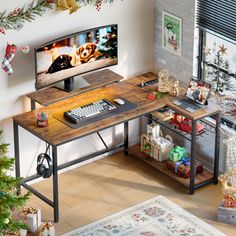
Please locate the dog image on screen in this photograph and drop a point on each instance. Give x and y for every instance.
(62, 62)
(87, 53)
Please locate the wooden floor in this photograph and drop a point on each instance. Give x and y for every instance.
(112, 184)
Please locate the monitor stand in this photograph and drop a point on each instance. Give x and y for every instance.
(73, 83)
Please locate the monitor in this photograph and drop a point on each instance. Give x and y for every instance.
(62, 61)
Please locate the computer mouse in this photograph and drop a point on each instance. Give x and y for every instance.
(119, 101)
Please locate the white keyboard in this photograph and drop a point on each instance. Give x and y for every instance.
(90, 110)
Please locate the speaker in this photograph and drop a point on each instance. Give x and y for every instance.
(44, 170)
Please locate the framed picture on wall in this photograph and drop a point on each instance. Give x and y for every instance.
(171, 33)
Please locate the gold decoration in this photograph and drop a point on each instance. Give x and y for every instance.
(207, 51)
(227, 188)
(70, 5)
(163, 81)
(174, 89)
(222, 49)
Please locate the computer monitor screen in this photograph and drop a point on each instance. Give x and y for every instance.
(64, 58)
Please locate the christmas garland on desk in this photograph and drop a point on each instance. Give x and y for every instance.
(15, 19)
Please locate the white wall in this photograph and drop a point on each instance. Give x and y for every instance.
(135, 20)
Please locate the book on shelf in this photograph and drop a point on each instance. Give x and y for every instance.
(164, 114)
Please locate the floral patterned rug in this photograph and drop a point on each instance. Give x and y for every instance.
(155, 217)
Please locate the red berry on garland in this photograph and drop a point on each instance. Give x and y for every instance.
(15, 12)
(98, 5)
(151, 97)
(2, 31)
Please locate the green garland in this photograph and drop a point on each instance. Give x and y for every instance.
(93, 2)
(15, 19)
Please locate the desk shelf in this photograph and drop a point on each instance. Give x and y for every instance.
(208, 128)
(200, 179)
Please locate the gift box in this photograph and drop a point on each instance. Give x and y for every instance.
(47, 229)
(32, 217)
(160, 148)
(182, 168)
(178, 153)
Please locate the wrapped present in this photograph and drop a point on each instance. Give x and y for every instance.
(182, 168)
(32, 217)
(178, 153)
(160, 148)
(47, 229)
(229, 200)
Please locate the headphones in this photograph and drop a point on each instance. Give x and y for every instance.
(44, 170)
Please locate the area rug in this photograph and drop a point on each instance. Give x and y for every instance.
(155, 217)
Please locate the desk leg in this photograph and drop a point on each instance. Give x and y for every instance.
(126, 138)
(17, 153)
(193, 157)
(217, 148)
(55, 184)
(32, 103)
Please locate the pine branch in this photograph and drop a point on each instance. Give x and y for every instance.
(10, 20)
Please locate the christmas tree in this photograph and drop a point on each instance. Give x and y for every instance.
(9, 201)
(109, 47)
(218, 71)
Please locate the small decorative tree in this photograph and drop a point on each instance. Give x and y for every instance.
(109, 47)
(9, 201)
(218, 70)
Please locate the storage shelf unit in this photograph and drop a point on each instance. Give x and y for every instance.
(194, 181)
(162, 166)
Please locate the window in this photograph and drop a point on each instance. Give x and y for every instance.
(216, 22)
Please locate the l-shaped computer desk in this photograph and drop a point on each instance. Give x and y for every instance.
(57, 133)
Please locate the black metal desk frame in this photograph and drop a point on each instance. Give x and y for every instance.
(55, 203)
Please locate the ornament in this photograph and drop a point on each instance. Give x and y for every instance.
(227, 187)
(9, 55)
(70, 5)
(174, 89)
(207, 51)
(6, 221)
(18, 25)
(163, 81)
(222, 49)
(25, 49)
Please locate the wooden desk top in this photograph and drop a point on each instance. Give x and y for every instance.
(96, 79)
(58, 133)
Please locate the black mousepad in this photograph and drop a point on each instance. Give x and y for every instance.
(119, 109)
